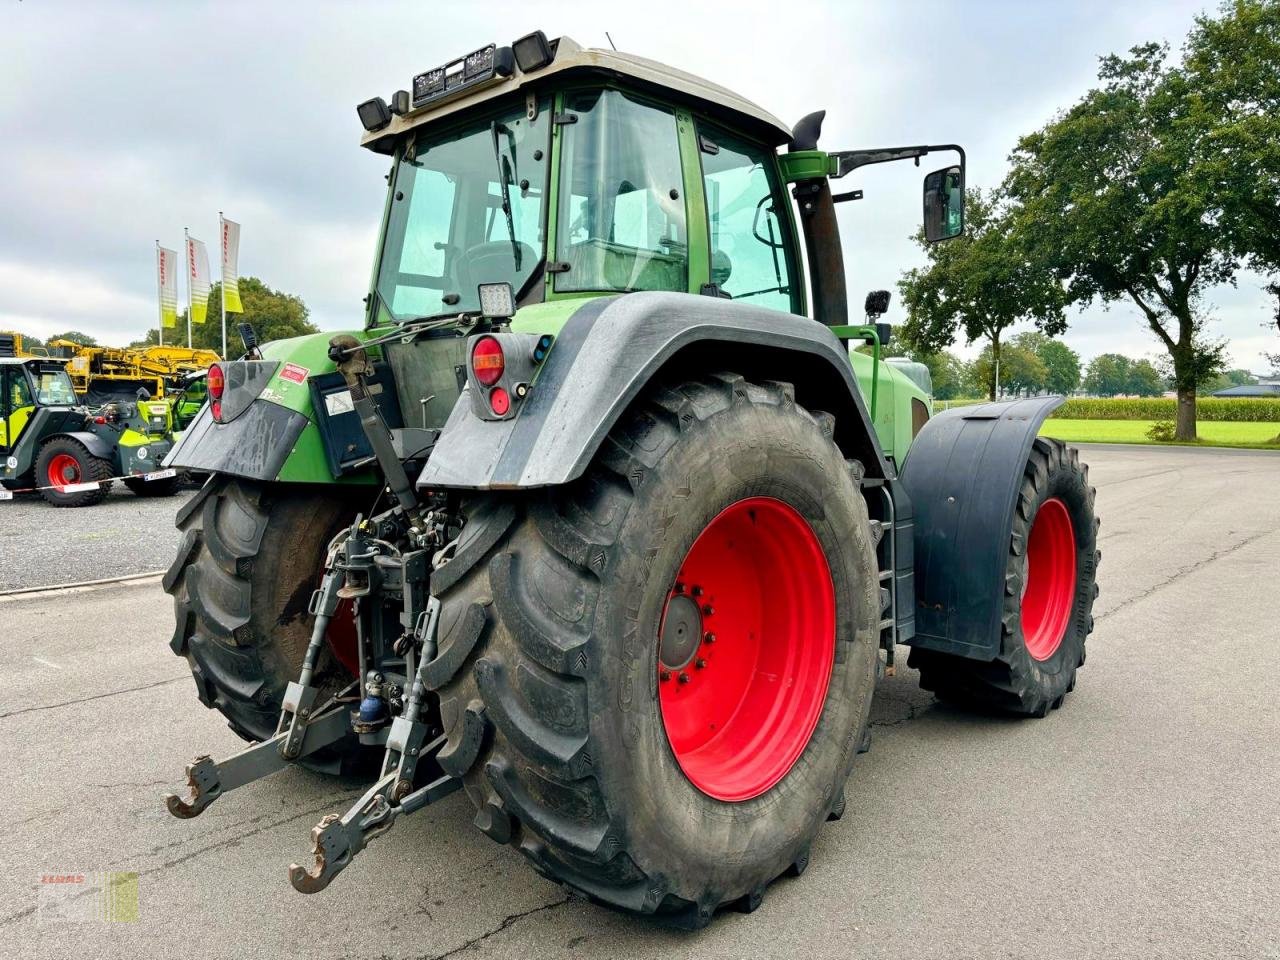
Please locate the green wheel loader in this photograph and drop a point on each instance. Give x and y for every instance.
(607, 515)
(69, 453)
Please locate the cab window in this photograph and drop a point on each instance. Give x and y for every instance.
(621, 218)
(54, 389)
(19, 391)
(751, 252)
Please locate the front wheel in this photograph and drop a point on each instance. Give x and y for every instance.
(1049, 587)
(655, 680)
(63, 466)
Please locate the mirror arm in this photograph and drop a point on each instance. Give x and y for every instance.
(846, 161)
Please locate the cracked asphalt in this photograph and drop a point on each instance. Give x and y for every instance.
(1141, 820)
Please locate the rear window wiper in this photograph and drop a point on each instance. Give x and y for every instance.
(504, 177)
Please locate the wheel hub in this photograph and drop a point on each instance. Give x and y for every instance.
(681, 632)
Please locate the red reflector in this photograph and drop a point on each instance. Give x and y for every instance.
(499, 401)
(487, 361)
(99, 419)
(216, 381)
(216, 408)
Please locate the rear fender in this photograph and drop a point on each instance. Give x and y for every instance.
(604, 356)
(963, 475)
(269, 429)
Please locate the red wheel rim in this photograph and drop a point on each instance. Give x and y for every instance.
(745, 649)
(1049, 587)
(64, 470)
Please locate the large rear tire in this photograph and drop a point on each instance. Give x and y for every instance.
(250, 557)
(1050, 586)
(572, 629)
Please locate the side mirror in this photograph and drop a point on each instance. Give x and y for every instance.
(877, 303)
(943, 204)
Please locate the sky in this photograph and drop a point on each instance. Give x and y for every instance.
(123, 123)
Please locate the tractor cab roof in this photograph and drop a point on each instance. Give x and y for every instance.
(570, 61)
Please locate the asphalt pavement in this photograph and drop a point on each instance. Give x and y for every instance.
(41, 544)
(1141, 820)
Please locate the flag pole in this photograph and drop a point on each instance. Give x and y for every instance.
(222, 287)
(159, 293)
(187, 235)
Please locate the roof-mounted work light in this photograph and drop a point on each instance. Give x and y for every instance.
(374, 114)
(532, 51)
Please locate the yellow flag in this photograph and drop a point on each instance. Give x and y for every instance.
(198, 279)
(167, 275)
(230, 276)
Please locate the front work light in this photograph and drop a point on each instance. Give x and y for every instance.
(374, 114)
(532, 52)
(497, 301)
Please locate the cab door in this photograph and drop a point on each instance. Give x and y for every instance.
(16, 406)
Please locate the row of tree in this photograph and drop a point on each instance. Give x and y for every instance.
(1156, 185)
(1032, 363)
(273, 314)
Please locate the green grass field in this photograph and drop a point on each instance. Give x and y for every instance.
(1211, 434)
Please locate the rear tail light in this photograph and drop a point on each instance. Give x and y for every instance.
(216, 382)
(488, 362)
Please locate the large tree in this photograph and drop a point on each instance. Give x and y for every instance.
(274, 315)
(980, 284)
(1118, 203)
(1233, 69)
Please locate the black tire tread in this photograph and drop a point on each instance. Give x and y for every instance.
(95, 469)
(533, 782)
(231, 645)
(1001, 684)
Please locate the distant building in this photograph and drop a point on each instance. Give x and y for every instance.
(1255, 390)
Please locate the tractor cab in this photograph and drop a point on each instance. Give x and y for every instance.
(28, 385)
(565, 173)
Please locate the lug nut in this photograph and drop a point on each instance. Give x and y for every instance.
(706, 610)
(697, 591)
(684, 677)
(664, 676)
(700, 663)
(679, 587)
(710, 638)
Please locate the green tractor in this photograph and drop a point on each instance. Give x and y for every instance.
(51, 443)
(607, 515)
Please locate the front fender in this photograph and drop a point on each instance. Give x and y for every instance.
(604, 356)
(963, 474)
